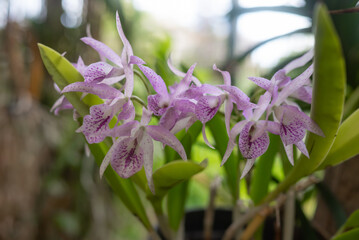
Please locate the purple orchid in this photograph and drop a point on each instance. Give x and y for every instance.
(134, 147)
(253, 140)
(293, 122)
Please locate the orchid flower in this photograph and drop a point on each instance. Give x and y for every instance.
(173, 106)
(210, 98)
(293, 122)
(253, 139)
(134, 147)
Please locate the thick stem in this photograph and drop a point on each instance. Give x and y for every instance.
(162, 219)
(289, 215)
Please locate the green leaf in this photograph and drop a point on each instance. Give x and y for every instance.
(219, 132)
(350, 235)
(173, 173)
(328, 98)
(177, 196)
(352, 222)
(63, 73)
(346, 143)
(262, 173)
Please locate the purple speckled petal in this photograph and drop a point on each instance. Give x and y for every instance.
(169, 118)
(280, 78)
(207, 107)
(154, 105)
(304, 94)
(299, 62)
(293, 124)
(95, 126)
(103, 50)
(261, 82)
(126, 43)
(228, 108)
(146, 116)
(252, 149)
(97, 71)
(128, 112)
(232, 140)
(127, 157)
(294, 85)
(301, 146)
(247, 167)
(156, 81)
(123, 130)
(106, 161)
(204, 89)
(289, 151)
(61, 104)
(205, 136)
(184, 123)
(226, 76)
(147, 146)
(128, 69)
(102, 90)
(239, 97)
(164, 136)
(185, 106)
(80, 65)
(263, 103)
(180, 73)
(136, 60)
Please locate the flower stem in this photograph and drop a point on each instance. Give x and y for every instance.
(143, 81)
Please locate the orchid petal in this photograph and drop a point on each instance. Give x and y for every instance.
(154, 105)
(263, 103)
(198, 92)
(299, 62)
(239, 97)
(146, 116)
(304, 94)
(207, 107)
(127, 157)
(103, 50)
(226, 76)
(164, 136)
(294, 85)
(289, 151)
(101, 90)
(95, 126)
(261, 82)
(186, 81)
(180, 73)
(228, 108)
(205, 136)
(301, 146)
(184, 123)
(252, 149)
(156, 81)
(169, 118)
(80, 65)
(124, 129)
(97, 71)
(126, 43)
(136, 60)
(247, 167)
(147, 145)
(184, 105)
(128, 112)
(106, 161)
(232, 138)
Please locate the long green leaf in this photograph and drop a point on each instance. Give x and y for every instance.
(352, 222)
(328, 98)
(346, 143)
(63, 73)
(350, 235)
(219, 132)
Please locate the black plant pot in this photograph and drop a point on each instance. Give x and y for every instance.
(194, 224)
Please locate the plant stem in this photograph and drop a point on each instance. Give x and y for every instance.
(162, 219)
(289, 215)
(209, 213)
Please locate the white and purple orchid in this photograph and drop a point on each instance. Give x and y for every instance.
(180, 105)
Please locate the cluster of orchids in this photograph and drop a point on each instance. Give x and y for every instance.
(180, 105)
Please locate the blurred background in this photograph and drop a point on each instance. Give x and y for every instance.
(49, 189)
